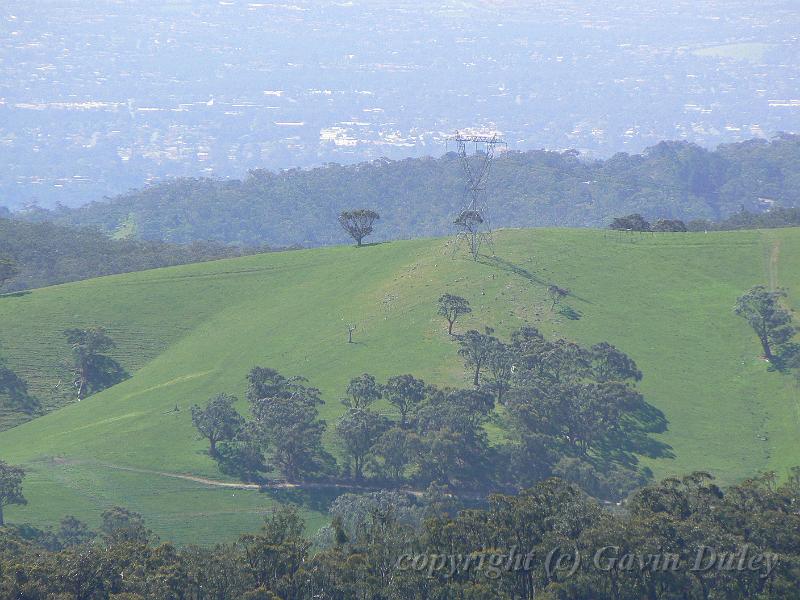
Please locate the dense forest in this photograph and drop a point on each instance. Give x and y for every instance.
(419, 197)
(47, 254)
(683, 538)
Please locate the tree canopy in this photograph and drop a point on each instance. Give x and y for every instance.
(358, 223)
(771, 322)
(451, 307)
(93, 370)
(217, 421)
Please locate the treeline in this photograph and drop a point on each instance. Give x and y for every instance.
(681, 539)
(47, 254)
(772, 219)
(564, 410)
(421, 197)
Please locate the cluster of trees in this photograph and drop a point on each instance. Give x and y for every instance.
(39, 254)
(284, 431)
(419, 197)
(637, 222)
(388, 546)
(567, 410)
(771, 219)
(778, 216)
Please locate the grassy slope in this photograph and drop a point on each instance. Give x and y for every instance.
(665, 300)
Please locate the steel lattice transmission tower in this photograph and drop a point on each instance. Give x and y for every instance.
(472, 223)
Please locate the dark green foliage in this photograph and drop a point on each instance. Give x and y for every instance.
(93, 371)
(771, 322)
(359, 429)
(72, 532)
(451, 307)
(274, 556)
(122, 525)
(610, 364)
(778, 216)
(634, 222)
(567, 410)
(43, 538)
(10, 487)
(499, 370)
(264, 383)
(362, 391)
(243, 456)
(673, 225)
(218, 421)
(393, 452)
(575, 411)
(8, 270)
(453, 445)
(358, 223)
(47, 254)
(367, 551)
(404, 392)
(420, 197)
(475, 348)
(287, 422)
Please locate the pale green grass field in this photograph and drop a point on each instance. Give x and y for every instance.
(191, 331)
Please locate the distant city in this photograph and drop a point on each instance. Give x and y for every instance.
(99, 97)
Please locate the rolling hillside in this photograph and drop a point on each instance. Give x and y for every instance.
(188, 332)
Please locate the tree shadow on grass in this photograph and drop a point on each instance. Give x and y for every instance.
(507, 265)
(570, 313)
(14, 393)
(633, 438)
(317, 499)
(106, 372)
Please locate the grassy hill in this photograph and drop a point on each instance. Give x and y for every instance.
(191, 331)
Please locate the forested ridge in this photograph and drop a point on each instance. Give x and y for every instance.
(47, 254)
(419, 197)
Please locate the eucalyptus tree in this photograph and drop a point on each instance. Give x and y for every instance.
(771, 322)
(451, 307)
(358, 223)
